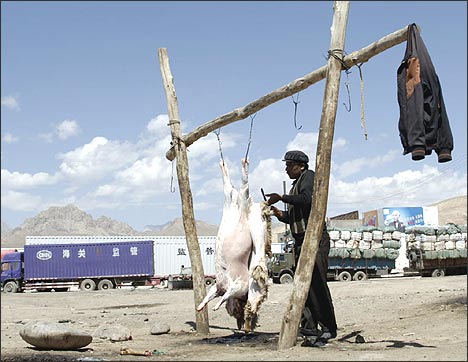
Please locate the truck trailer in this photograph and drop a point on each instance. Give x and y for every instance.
(354, 255)
(171, 260)
(88, 266)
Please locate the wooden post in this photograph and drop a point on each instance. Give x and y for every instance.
(185, 193)
(357, 57)
(305, 267)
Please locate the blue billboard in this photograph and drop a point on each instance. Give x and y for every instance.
(402, 217)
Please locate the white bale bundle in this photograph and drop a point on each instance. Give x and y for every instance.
(450, 245)
(387, 236)
(439, 245)
(443, 237)
(363, 244)
(366, 236)
(396, 235)
(460, 244)
(422, 238)
(427, 246)
(391, 244)
(340, 243)
(376, 244)
(352, 244)
(356, 235)
(377, 235)
(332, 243)
(455, 237)
(463, 236)
(431, 238)
(345, 234)
(334, 234)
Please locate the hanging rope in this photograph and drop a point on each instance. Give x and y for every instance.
(250, 134)
(217, 132)
(336, 53)
(347, 88)
(172, 187)
(333, 53)
(296, 102)
(363, 120)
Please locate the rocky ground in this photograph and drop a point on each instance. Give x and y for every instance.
(400, 319)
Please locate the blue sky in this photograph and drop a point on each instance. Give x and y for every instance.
(84, 113)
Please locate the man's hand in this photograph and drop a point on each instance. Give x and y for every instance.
(273, 198)
(277, 212)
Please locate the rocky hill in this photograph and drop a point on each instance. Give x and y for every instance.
(452, 210)
(70, 220)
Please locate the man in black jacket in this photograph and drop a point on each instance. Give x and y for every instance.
(318, 309)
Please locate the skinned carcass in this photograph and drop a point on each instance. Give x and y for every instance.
(243, 241)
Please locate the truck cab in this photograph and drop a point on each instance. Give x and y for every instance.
(281, 266)
(12, 272)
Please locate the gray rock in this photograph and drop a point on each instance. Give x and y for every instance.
(55, 336)
(115, 333)
(160, 328)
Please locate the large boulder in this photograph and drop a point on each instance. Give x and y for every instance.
(55, 336)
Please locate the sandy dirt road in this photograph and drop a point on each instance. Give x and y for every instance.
(400, 319)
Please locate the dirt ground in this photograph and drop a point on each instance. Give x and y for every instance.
(400, 319)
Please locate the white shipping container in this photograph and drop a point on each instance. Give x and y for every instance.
(171, 254)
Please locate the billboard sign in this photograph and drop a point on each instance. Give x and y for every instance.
(402, 217)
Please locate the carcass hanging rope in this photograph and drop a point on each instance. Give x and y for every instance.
(250, 134)
(296, 102)
(333, 53)
(363, 120)
(336, 53)
(217, 132)
(347, 88)
(172, 187)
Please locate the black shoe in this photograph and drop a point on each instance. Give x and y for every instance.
(309, 332)
(328, 335)
(313, 342)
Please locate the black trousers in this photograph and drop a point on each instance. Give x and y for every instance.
(319, 305)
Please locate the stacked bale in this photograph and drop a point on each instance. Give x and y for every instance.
(445, 242)
(365, 243)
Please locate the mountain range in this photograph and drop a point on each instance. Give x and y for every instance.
(70, 220)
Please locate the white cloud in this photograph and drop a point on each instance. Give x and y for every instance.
(67, 129)
(159, 125)
(406, 188)
(63, 131)
(365, 163)
(9, 138)
(10, 102)
(96, 160)
(21, 201)
(18, 180)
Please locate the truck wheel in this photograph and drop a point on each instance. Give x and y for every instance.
(286, 279)
(360, 275)
(87, 285)
(105, 284)
(10, 287)
(437, 273)
(344, 276)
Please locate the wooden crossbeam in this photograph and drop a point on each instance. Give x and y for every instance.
(355, 58)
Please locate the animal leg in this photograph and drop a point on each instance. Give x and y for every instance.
(212, 294)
